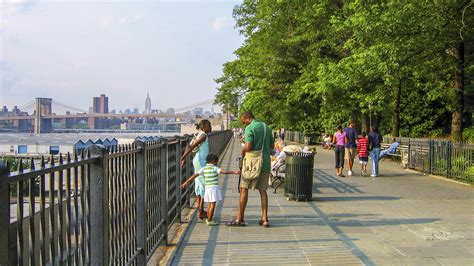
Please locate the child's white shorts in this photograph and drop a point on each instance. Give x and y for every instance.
(212, 194)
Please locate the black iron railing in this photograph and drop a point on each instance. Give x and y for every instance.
(294, 136)
(103, 207)
(440, 157)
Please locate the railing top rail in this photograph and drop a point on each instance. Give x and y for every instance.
(130, 149)
(153, 144)
(29, 173)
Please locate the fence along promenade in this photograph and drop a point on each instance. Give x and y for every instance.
(450, 159)
(102, 207)
(440, 157)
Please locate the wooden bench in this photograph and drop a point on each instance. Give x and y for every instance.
(401, 154)
(277, 176)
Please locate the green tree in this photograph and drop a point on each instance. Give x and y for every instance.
(310, 65)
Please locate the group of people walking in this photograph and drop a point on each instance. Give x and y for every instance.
(348, 145)
(256, 143)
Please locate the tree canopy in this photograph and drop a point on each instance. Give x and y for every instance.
(311, 65)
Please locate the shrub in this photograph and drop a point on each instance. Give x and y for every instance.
(468, 134)
(468, 175)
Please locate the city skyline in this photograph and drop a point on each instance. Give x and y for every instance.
(122, 49)
(100, 105)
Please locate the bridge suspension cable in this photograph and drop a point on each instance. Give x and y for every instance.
(68, 107)
(28, 106)
(205, 102)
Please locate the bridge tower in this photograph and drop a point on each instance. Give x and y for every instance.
(43, 108)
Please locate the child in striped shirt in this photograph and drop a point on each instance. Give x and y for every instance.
(363, 153)
(212, 193)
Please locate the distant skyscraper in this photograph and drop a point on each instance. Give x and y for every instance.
(147, 104)
(198, 111)
(100, 105)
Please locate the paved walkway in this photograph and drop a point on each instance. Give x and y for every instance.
(402, 217)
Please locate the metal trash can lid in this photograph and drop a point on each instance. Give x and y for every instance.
(300, 154)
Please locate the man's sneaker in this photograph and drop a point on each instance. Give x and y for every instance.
(210, 223)
(349, 173)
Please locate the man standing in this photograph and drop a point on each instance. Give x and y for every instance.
(257, 135)
(351, 145)
(375, 138)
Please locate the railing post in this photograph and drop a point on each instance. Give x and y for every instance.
(409, 154)
(164, 187)
(178, 177)
(4, 214)
(99, 210)
(140, 237)
(431, 154)
(187, 164)
(448, 158)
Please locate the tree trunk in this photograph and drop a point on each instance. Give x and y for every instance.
(456, 122)
(376, 118)
(364, 125)
(396, 110)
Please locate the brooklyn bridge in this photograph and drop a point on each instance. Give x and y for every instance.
(42, 117)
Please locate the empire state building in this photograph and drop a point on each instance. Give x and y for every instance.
(148, 104)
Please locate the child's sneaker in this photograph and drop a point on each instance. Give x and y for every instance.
(349, 173)
(211, 223)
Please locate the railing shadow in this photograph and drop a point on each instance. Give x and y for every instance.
(363, 198)
(282, 221)
(324, 180)
(382, 222)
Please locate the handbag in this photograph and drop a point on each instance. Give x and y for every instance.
(195, 137)
(253, 161)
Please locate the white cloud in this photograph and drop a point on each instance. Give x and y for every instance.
(11, 8)
(131, 19)
(114, 48)
(107, 21)
(221, 23)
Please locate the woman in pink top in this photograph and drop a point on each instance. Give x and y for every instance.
(340, 140)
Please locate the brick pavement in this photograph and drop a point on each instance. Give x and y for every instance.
(401, 217)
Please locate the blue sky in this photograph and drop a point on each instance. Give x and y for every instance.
(73, 50)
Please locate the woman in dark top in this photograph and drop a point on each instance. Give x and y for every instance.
(375, 138)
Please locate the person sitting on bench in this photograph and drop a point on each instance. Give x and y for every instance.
(279, 156)
(327, 142)
(391, 150)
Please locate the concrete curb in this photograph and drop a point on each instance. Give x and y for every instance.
(169, 258)
(439, 177)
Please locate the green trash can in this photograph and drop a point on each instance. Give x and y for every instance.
(299, 175)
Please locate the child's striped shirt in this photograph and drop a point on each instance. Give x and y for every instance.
(363, 147)
(210, 173)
